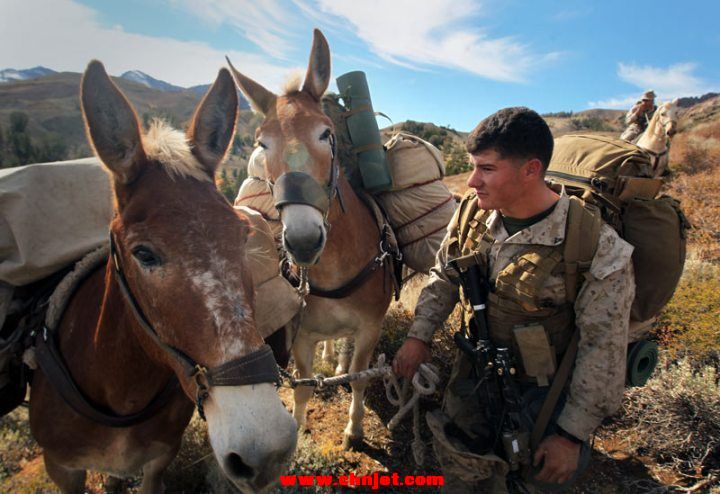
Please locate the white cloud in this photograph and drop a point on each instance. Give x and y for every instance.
(622, 102)
(675, 81)
(65, 36)
(265, 23)
(437, 33)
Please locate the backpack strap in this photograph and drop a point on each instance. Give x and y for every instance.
(581, 240)
(582, 233)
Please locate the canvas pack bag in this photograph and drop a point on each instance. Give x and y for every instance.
(255, 193)
(419, 206)
(618, 177)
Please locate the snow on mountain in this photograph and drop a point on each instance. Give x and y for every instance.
(8, 75)
(149, 81)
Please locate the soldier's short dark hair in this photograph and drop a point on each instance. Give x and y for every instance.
(516, 132)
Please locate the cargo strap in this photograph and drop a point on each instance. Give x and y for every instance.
(368, 147)
(388, 255)
(363, 108)
(57, 374)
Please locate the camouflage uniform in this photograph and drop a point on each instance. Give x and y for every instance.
(637, 121)
(601, 310)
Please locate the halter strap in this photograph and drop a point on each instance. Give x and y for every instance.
(256, 367)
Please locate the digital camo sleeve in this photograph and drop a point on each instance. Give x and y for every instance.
(437, 299)
(602, 314)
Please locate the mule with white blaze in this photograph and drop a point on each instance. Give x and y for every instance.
(171, 313)
(327, 228)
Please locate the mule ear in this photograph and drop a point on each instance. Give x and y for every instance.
(318, 73)
(213, 125)
(260, 98)
(111, 123)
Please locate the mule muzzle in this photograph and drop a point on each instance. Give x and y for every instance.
(303, 204)
(252, 434)
(301, 188)
(304, 246)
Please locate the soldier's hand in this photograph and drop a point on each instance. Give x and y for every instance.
(411, 354)
(560, 459)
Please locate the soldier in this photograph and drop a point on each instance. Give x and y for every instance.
(639, 116)
(517, 230)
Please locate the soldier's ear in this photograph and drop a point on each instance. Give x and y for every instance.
(533, 168)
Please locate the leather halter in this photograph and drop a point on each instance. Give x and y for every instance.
(300, 188)
(255, 368)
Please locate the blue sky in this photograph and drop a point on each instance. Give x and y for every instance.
(451, 62)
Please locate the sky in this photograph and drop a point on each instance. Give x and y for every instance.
(450, 62)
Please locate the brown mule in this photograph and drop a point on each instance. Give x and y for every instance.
(181, 248)
(336, 245)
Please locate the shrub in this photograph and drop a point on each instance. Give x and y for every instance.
(689, 324)
(229, 183)
(456, 159)
(675, 418)
(697, 150)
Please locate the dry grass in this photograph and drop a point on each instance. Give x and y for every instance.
(689, 324)
(695, 163)
(675, 420)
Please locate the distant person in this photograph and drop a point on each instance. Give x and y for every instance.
(639, 116)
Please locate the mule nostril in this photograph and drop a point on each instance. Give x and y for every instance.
(321, 238)
(236, 468)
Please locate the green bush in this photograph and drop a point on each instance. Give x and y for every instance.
(689, 325)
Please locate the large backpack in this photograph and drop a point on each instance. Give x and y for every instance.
(618, 177)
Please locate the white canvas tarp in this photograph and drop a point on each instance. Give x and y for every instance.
(276, 301)
(419, 206)
(51, 214)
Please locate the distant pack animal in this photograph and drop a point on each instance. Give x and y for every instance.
(169, 316)
(327, 227)
(659, 132)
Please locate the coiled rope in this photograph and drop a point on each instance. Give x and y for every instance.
(424, 383)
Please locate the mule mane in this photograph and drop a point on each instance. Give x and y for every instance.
(292, 84)
(170, 147)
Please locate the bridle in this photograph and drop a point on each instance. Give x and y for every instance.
(256, 367)
(296, 187)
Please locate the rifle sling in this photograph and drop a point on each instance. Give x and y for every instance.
(556, 388)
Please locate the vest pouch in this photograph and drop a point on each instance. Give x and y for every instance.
(535, 352)
(558, 323)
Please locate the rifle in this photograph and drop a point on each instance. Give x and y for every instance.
(494, 368)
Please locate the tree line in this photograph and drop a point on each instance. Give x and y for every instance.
(18, 148)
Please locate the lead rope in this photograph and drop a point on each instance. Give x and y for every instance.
(424, 383)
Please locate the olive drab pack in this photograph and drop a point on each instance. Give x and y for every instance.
(618, 177)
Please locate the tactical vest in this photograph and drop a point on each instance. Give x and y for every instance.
(514, 300)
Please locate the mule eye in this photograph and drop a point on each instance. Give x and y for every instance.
(146, 257)
(325, 135)
(261, 144)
